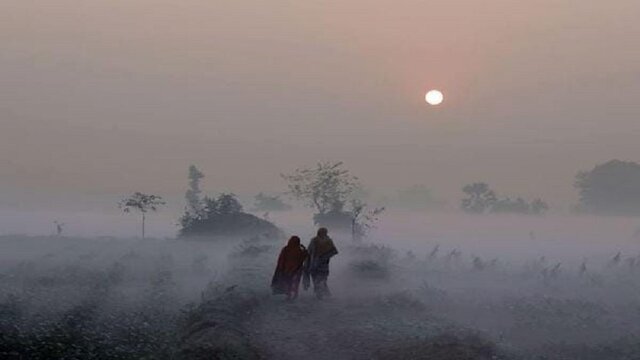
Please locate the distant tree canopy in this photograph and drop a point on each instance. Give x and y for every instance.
(481, 199)
(336, 195)
(327, 188)
(217, 216)
(264, 202)
(224, 216)
(519, 206)
(610, 188)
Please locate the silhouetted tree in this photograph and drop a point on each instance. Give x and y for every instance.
(194, 204)
(225, 204)
(142, 203)
(327, 188)
(363, 219)
(223, 215)
(324, 187)
(479, 198)
(506, 205)
(194, 208)
(610, 188)
(538, 207)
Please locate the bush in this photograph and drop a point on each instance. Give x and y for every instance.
(370, 269)
(215, 330)
(223, 216)
(372, 261)
(236, 224)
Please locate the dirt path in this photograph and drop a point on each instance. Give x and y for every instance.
(353, 324)
(337, 328)
(363, 317)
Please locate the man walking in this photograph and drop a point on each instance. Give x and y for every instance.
(321, 250)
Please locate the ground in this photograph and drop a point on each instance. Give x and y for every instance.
(79, 298)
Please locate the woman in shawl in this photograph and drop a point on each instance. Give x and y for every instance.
(286, 278)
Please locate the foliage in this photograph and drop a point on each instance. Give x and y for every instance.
(265, 202)
(374, 252)
(192, 196)
(142, 203)
(224, 216)
(610, 188)
(506, 205)
(363, 219)
(371, 261)
(216, 328)
(480, 198)
(519, 206)
(326, 187)
(370, 269)
(225, 204)
(538, 207)
(221, 215)
(82, 313)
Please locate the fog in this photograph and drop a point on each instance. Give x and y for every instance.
(500, 224)
(513, 287)
(567, 236)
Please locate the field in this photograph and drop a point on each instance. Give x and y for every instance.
(499, 288)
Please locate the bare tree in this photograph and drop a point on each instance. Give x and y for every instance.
(194, 203)
(363, 219)
(142, 203)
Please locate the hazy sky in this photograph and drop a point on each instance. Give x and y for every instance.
(111, 96)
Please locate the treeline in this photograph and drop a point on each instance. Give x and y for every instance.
(480, 199)
(338, 199)
(219, 215)
(611, 188)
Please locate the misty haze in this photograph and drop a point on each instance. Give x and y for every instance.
(319, 180)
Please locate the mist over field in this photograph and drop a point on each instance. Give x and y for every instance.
(423, 285)
(475, 163)
(486, 277)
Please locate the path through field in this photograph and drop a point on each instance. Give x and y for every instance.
(355, 323)
(337, 328)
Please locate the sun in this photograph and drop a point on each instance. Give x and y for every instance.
(434, 97)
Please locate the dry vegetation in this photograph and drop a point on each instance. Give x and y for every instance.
(167, 299)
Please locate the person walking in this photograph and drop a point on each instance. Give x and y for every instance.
(286, 278)
(321, 249)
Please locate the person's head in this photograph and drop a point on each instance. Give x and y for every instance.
(322, 232)
(294, 241)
